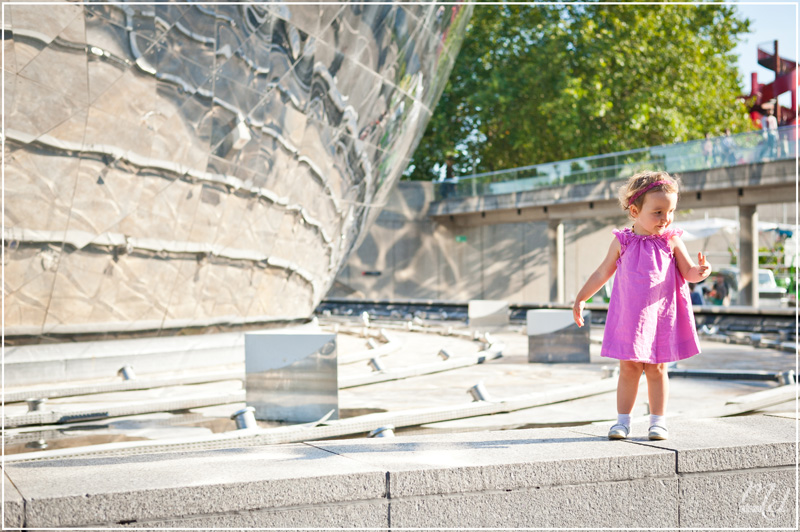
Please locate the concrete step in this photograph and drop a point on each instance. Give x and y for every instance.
(711, 473)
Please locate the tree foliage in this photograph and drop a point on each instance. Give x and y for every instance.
(541, 83)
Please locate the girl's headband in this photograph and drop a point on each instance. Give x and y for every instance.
(645, 189)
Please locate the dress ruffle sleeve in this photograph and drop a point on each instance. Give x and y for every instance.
(624, 236)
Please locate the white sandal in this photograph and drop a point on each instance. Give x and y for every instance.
(657, 432)
(618, 432)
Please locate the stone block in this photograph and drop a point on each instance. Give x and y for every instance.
(372, 515)
(487, 314)
(13, 506)
(764, 499)
(553, 336)
(292, 376)
(720, 444)
(116, 490)
(520, 459)
(604, 504)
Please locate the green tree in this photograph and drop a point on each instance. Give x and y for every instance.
(537, 83)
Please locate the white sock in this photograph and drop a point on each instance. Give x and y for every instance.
(624, 419)
(661, 421)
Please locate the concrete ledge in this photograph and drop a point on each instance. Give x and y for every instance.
(114, 491)
(506, 460)
(727, 444)
(736, 472)
(753, 499)
(614, 504)
(13, 505)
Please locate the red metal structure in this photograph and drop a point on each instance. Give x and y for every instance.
(766, 95)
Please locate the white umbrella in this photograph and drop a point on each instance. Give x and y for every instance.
(698, 229)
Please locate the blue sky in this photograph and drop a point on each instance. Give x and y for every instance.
(769, 21)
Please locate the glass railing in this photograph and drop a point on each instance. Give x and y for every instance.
(705, 154)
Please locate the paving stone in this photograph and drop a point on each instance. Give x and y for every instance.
(743, 500)
(742, 442)
(604, 504)
(471, 462)
(82, 491)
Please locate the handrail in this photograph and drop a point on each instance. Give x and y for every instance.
(714, 152)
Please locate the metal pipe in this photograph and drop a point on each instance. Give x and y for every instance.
(35, 403)
(245, 418)
(478, 392)
(386, 431)
(488, 340)
(126, 372)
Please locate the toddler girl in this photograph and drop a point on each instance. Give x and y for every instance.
(650, 320)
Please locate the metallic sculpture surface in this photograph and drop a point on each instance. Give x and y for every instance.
(183, 165)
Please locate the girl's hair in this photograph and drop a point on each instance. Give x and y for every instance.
(640, 184)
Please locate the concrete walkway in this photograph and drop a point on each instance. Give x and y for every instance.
(735, 472)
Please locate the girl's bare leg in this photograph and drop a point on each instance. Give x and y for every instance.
(657, 387)
(628, 385)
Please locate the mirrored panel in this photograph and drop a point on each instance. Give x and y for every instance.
(292, 376)
(178, 165)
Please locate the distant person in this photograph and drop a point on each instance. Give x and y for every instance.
(728, 149)
(447, 182)
(651, 265)
(708, 150)
(769, 124)
(697, 297)
(719, 294)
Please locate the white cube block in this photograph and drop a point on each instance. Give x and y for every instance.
(553, 336)
(487, 314)
(291, 376)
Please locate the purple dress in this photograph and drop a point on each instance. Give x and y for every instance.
(650, 316)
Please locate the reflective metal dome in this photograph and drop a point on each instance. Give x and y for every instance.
(174, 165)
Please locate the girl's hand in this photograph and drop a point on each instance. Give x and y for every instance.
(703, 268)
(577, 312)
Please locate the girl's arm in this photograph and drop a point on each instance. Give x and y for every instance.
(600, 276)
(693, 273)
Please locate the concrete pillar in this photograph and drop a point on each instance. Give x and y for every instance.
(748, 255)
(555, 237)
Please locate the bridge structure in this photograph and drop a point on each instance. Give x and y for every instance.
(742, 170)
